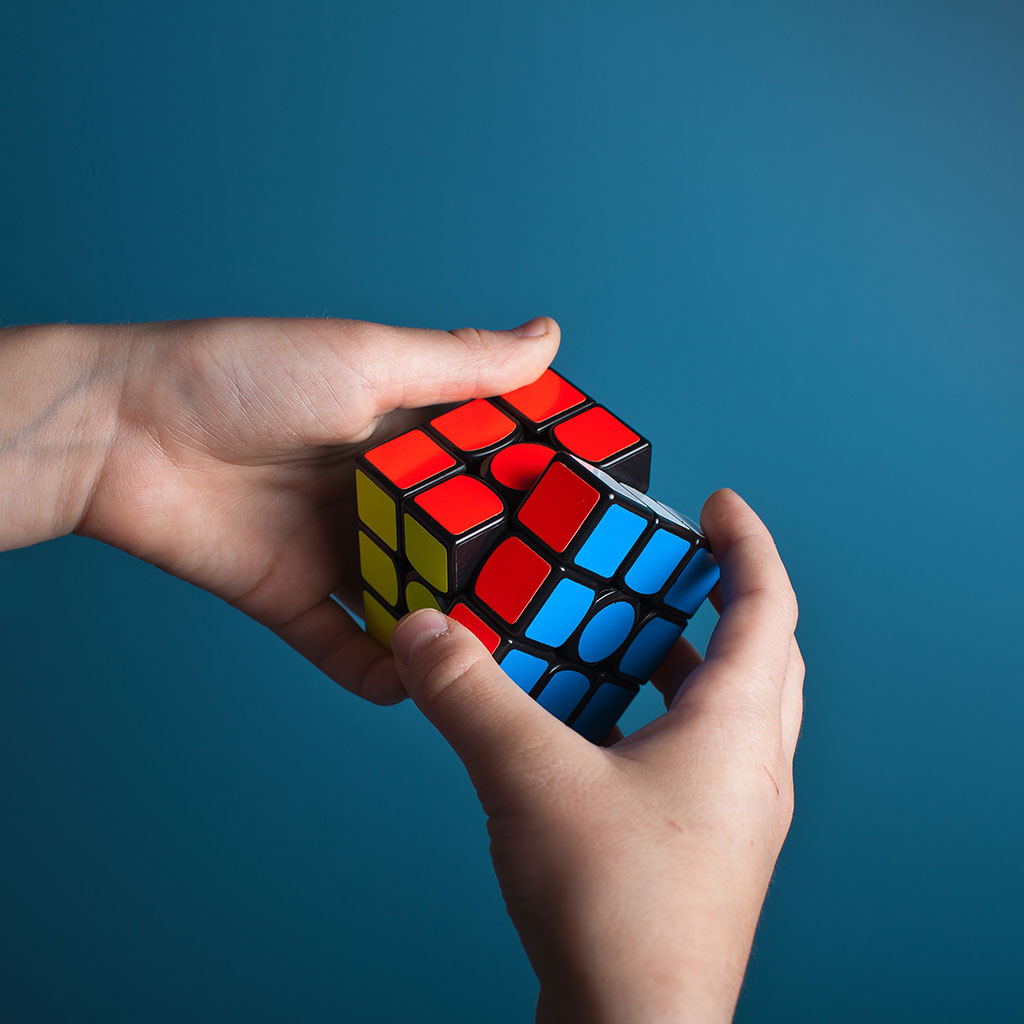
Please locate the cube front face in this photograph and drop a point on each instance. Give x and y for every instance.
(524, 518)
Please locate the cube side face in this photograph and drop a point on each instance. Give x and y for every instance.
(525, 518)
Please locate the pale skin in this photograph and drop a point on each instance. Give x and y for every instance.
(222, 452)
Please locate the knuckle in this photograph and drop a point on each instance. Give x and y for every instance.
(473, 339)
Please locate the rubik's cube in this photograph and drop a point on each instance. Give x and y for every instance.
(524, 518)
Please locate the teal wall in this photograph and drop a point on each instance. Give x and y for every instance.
(786, 241)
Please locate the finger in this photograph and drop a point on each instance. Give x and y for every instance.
(750, 645)
(489, 721)
(680, 661)
(412, 367)
(327, 636)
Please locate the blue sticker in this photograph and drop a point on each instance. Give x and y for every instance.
(649, 648)
(606, 631)
(523, 669)
(694, 583)
(610, 541)
(602, 711)
(653, 566)
(562, 692)
(561, 613)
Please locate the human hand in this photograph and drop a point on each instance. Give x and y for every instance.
(635, 872)
(221, 451)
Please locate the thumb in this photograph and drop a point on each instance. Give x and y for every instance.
(407, 368)
(488, 720)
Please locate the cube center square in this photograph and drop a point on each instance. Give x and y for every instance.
(525, 518)
(517, 467)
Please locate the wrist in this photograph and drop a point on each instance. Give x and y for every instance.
(60, 388)
(665, 949)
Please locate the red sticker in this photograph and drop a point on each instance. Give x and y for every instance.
(474, 426)
(547, 396)
(409, 459)
(595, 435)
(460, 503)
(558, 506)
(510, 578)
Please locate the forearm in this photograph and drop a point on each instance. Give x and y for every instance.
(59, 394)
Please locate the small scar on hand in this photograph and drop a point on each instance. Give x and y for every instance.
(772, 777)
(675, 825)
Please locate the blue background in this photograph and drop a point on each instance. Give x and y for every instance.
(785, 240)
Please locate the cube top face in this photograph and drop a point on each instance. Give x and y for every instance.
(460, 503)
(545, 399)
(475, 426)
(595, 434)
(410, 459)
(510, 578)
(525, 518)
(518, 466)
(558, 505)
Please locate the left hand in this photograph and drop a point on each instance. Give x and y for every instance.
(221, 451)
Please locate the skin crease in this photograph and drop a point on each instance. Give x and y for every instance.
(222, 450)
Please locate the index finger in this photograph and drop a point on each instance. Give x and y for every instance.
(750, 646)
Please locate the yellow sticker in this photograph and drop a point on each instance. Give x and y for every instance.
(380, 623)
(426, 554)
(378, 569)
(377, 510)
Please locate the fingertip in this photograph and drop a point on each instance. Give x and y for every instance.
(534, 328)
(724, 514)
(415, 631)
(719, 501)
(541, 336)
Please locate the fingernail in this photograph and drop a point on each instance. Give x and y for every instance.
(415, 631)
(532, 328)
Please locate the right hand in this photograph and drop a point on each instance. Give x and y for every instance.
(635, 873)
